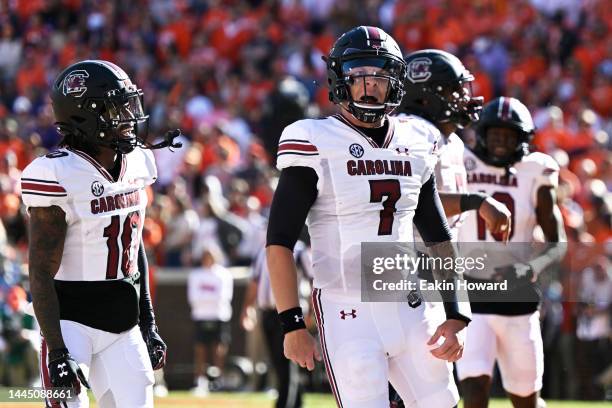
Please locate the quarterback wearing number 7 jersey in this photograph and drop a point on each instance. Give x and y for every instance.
(364, 176)
(88, 270)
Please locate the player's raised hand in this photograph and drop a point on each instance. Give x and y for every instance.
(301, 347)
(497, 216)
(451, 349)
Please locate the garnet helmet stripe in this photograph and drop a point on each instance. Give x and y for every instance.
(505, 110)
(373, 33)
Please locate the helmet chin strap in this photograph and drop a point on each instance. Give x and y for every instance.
(366, 115)
(124, 146)
(116, 142)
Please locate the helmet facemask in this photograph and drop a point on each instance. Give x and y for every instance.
(369, 87)
(457, 104)
(124, 125)
(504, 113)
(515, 151)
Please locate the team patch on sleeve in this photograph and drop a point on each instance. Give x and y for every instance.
(40, 187)
(298, 147)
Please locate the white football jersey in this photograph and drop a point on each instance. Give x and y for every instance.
(517, 190)
(365, 193)
(450, 173)
(451, 176)
(104, 217)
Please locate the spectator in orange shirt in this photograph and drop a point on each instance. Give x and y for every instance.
(10, 142)
(547, 138)
(580, 141)
(482, 84)
(31, 74)
(601, 93)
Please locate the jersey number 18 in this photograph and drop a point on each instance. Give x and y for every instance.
(131, 226)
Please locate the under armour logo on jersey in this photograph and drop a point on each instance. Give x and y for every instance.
(298, 318)
(402, 150)
(344, 314)
(356, 150)
(74, 83)
(418, 70)
(97, 188)
(62, 371)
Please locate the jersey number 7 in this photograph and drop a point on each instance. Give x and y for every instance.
(379, 189)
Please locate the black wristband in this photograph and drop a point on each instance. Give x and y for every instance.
(471, 201)
(453, 308)
(456, 315)
(56, 354)
(292, 319)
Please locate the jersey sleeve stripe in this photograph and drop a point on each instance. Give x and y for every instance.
(297, 146)
(39, 180)
(42, 187)
(45, 194)
(295, 140)
(298, 154)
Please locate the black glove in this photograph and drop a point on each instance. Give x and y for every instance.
(64, 372)
(155, 346)
(517, 275)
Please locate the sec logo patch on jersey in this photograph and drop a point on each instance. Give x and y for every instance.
(356, 150)
(470, 163)
(97, 189)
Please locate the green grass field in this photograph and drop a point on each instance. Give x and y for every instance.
(259, 400)
(326, 401)
(180, 399)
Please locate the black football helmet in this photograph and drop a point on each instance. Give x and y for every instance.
(504, 112)
(436, 90)
(95, 101)
(366, 46)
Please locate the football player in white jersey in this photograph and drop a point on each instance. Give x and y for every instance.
(507, 330)
(88, 270)
(364, 176)
(438, 89)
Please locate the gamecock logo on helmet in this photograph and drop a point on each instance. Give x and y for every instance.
(74, 83)
(418, 70)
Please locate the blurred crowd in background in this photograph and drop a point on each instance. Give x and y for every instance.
(232, 74)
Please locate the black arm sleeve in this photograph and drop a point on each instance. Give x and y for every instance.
(431, 222)
(295, 194)
(146, 315)
(429, 217)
